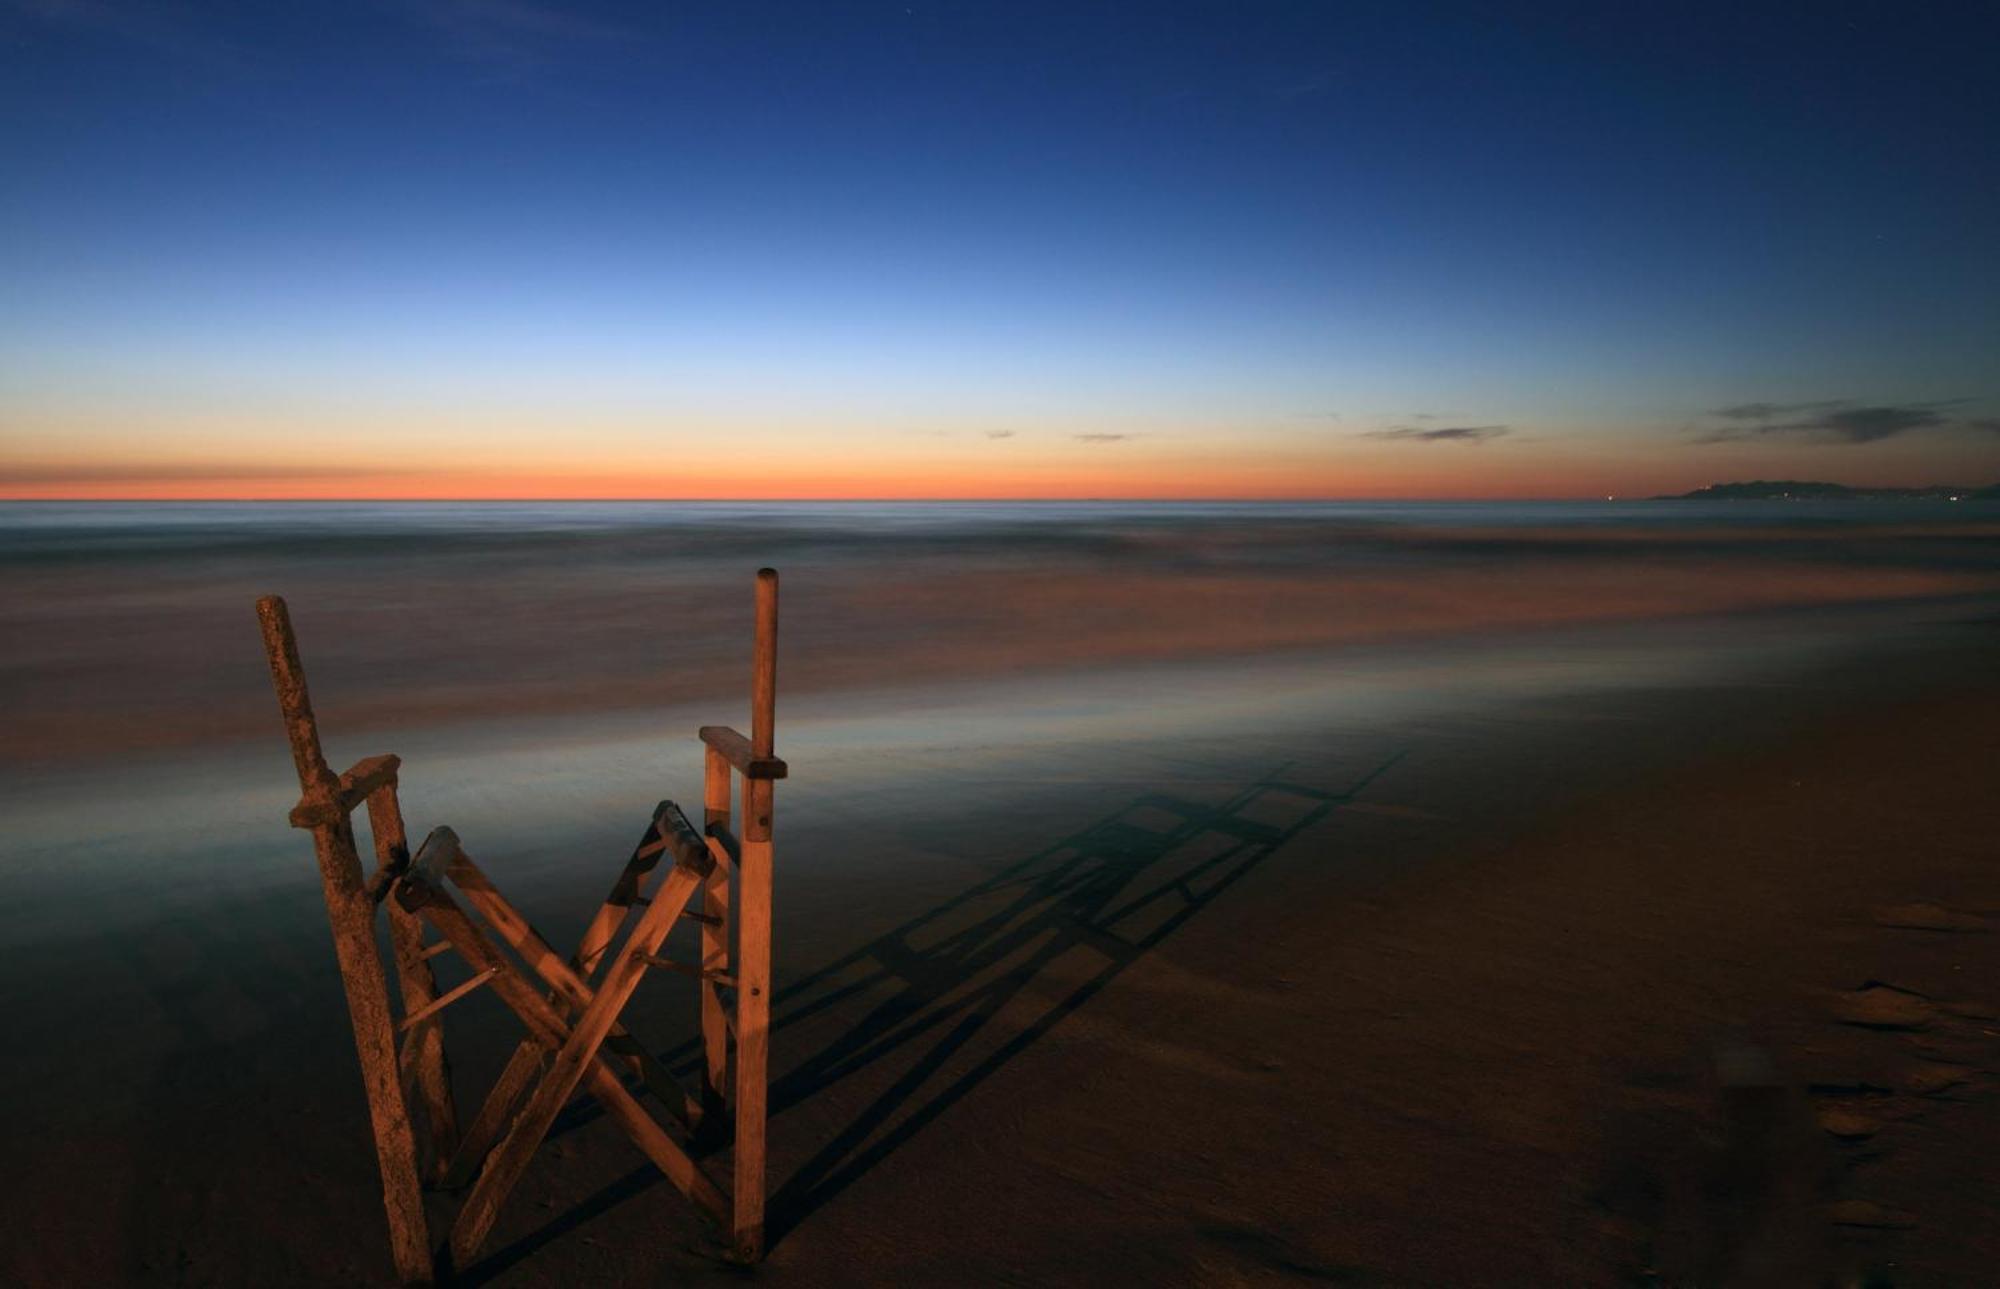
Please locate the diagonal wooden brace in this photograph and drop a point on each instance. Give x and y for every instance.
(561, 977)
(548, 1031)
(627, 893)
(578, 1059)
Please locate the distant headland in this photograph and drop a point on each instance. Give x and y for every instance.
(1801, 490)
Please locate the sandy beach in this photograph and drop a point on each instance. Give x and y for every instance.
(1425, 999)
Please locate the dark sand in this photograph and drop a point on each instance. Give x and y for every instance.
(1430, 1000)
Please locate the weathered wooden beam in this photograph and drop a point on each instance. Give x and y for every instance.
(495, 1113)
(288, 678)
(737, 750)
(627, 891)
(444, 1000)
(764, 667)
(351, 916)
(753, 938)
(363, 778)
(753, 1042)
(715, 794)
(423, 1051)
(435, 857)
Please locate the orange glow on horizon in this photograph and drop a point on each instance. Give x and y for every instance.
(1051, 485)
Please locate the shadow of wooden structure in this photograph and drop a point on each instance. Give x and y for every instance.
(912, 1022)
(569, 1006)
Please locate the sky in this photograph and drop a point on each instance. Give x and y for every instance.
(510, 248)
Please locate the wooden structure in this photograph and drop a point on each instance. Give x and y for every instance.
(569, 1006)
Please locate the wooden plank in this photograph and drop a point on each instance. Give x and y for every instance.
(576, 1059)
(363, 778)
(715, 946)
(423, 1050)
(438, 1004)
(288, 678)
(737, 750)
(495, 1113)
(628, 890)
(368, 774)
(753, 936)
(689, 848)
(434, 858)
(353, 919)
(351, 915)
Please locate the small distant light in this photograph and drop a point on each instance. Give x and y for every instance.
(1614, 498)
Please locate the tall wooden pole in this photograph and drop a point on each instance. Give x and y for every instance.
(352, 915)
(753, 948)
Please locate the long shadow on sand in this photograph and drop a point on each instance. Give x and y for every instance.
(1035, 941)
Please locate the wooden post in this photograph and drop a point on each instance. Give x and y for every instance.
(352, 915)
(753, 948)
(714, 945)
(764, 666)
(423, 1047)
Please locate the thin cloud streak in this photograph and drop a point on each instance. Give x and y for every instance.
(1474, 434)
(78, 472)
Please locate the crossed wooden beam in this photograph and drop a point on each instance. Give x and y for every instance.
(569, 1007)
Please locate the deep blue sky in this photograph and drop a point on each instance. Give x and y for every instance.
(945, 240)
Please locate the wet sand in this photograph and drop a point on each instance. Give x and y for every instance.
(1429, 993)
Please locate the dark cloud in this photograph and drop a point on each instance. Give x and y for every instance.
(1771, 411)
(1990, 424)
(1102, 438)
(1442, 434)
(1827, 420)
(1000, 434)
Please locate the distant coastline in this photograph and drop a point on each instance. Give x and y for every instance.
(1806, 490)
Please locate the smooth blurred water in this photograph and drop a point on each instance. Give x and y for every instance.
(125, 628)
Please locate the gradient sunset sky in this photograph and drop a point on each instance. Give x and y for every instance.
(510, 248)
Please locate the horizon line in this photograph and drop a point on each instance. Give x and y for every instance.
(778, 501)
